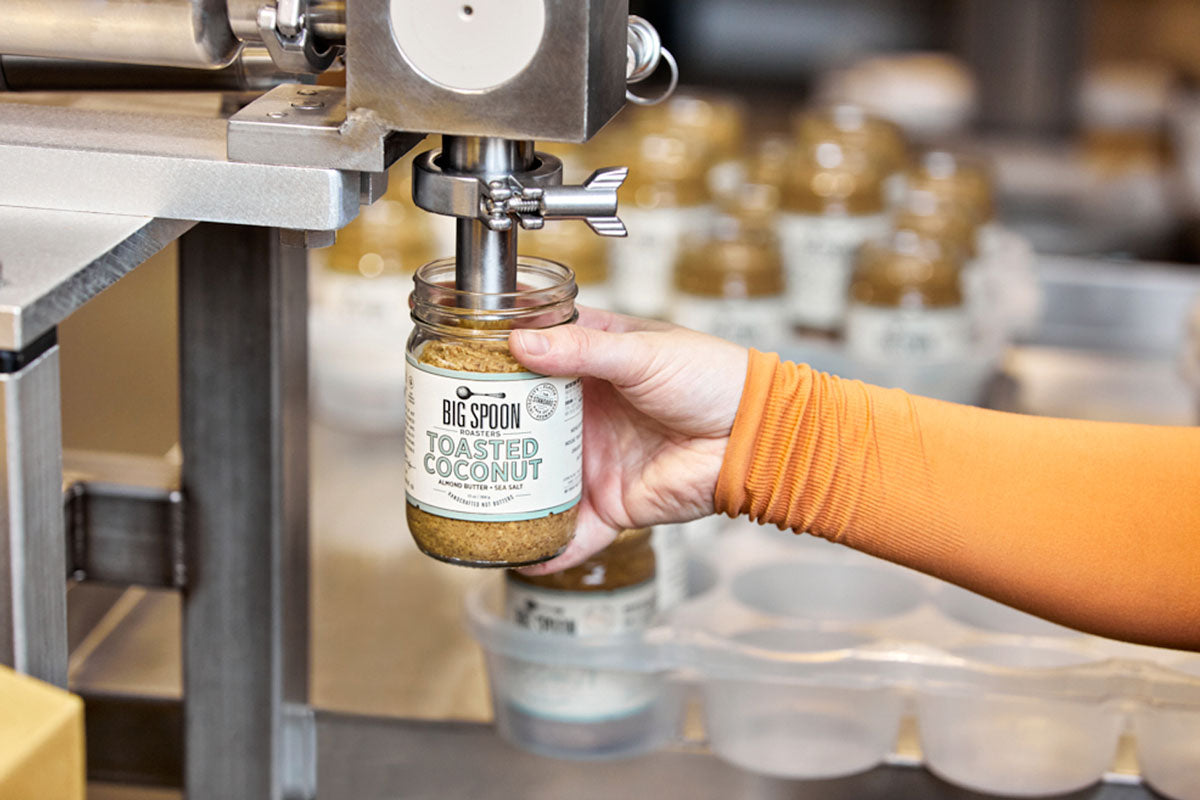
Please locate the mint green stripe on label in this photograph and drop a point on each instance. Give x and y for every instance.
(469, 517)
(473, 376)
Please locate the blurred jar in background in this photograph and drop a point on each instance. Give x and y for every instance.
(933, 217)
(906, 302)
(665, 197)
(1123, 109)
(716, 121)
(729, 279)
(958, 180)
(931, 96)
(570, 242)
(858, 129)
(576, 245)
(359, 313)
(833, 201)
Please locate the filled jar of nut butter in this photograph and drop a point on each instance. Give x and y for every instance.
(906, 302)
(578, 710)
(665, 197)
(833, 201)
(494, 453)
(958, 179)
(729, 277)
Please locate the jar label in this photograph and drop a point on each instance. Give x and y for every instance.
(642, 268)
(818, 253)
(575, 694)
(566, 613)
(492, 447)
(671, 568)
(759, 322)
(912, 335)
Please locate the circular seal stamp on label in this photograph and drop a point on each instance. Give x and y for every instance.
(542, 401)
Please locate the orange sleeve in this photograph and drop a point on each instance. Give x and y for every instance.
(1094, 525)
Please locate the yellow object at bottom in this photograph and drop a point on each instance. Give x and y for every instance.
(41, 740)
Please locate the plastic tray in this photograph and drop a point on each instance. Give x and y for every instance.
(807, 655)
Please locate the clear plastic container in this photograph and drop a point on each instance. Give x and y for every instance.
(832, 593)
(583, 697)
(1021, 746)
(1168, 736)
(795, 729)
(806, 656)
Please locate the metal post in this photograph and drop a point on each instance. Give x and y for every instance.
(33, 584)
(243, 305)
(487, 259)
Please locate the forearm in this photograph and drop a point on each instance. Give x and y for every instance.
(1094, 525)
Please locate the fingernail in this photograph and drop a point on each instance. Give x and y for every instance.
(534, 343)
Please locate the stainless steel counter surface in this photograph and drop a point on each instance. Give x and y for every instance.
(374, 759)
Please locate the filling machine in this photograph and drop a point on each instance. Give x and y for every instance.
(88, 194)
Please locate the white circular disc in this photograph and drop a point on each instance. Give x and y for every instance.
(469, 45)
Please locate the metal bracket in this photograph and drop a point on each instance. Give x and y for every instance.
(295, 125)
(292, 47)
(530, 197)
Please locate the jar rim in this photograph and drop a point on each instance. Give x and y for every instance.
(565, 278)
(439, 305)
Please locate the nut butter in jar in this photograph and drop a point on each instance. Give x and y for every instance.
(665, 197)
(613, 592)
(958, 180)
(833, 201)
(906, 302)
(494, 466)
(729, 279)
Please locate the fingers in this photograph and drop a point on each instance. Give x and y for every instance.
(572, 350)
(591, 536)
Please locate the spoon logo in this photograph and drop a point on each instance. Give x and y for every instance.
(542, 401)
(465, 393)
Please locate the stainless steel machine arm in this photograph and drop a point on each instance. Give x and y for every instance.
(490, 76)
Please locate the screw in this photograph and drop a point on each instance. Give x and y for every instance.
(276, 114)
(306, 92)
(308, 105)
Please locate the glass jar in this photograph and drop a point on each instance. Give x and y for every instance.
(957, 179)
(716, 121)
(833, 201)
(359, 310)
(576, 244)
(729, 279)
(906, 302)
(664, 198)
(493, 453)
(935, 218)
(613, 592)
(857, 129)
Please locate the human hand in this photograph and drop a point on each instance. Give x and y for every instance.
(660, 401)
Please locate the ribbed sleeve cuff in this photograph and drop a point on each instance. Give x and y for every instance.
(762, 434)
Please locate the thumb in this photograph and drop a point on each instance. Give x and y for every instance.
(572, 350)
